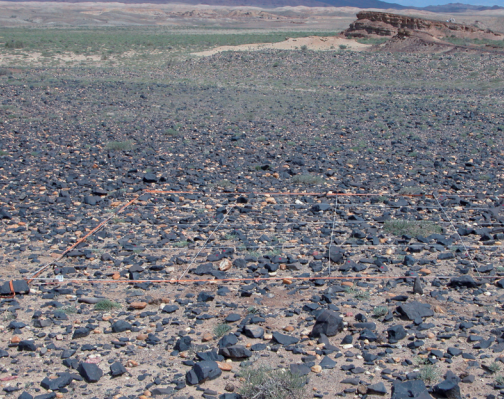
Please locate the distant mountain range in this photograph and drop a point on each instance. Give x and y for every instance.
(447, 8)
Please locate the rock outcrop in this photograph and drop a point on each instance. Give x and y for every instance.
(372, 24)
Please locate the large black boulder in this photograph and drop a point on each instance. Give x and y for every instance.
(62, 381)
(235, 352)
(117, 369)
(414, 389)
(81, 332)
(202, 371)
(183, 344)
(464, 280)
(121, 326)
(285, 340)
(415, 310)
(396, 333)
(90, 372)
(447, 389)
(328, 323)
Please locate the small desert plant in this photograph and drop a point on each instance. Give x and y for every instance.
(171, 132)
(350, 290)
(380, 311)
(411, 228)
(304, 48)
(261, 138)
(499, 380)
(106, 305)
(342, 47)
(181, 243)
(267, 383)
(3, 153)
(494, 367)
(252, 310)
(221, 329)
(119, 145)
(66, 310)
(14, 44)
(362, 295)
(410, 190)
(429, 373)
(307, 179)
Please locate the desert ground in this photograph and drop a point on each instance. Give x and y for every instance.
(218, 203)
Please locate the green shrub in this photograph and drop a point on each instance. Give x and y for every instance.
(171, 132)
(362, 295)
(380, 311)
(66, 310)
(307, 179)
(429, 373)
(14, 44)
(119, 145)
(221, 329)
(494, 367)
(410, 228)
(106, 305)
(266, 383)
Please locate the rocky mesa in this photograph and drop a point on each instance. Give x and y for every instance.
(371, 24)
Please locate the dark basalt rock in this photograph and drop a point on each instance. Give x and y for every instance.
(90, 372)
(415, 310)
(328, 323)
(414, 389)
(465, 280)
(203, 371)
(121, 326)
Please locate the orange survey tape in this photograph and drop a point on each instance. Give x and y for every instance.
(70, 248)
(274, 278)
(327, 194)
(11, 296)
(122, 208)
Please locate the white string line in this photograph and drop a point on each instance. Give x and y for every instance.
(308, 206)
(326, 194)
(332, 232)
(103, 224)
(460, 237)
(207, 240)
(307, 245)
(302, 224)
(254, 279)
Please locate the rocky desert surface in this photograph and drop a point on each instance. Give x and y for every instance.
(284, 222)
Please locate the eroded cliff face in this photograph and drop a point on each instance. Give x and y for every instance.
(376, 24)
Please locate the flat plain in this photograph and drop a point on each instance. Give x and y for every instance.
(327, 221)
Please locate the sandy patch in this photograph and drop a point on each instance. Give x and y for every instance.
(36, 58)
(311, 42)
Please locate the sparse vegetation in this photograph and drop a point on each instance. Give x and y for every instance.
(494, 367)
(66, 310)
(307, 179)
(429, 373)
(380, 311)
(14, 44)
(411, 228)
(120, 145)
(267, 383)
(107, 305)
(221, 329)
